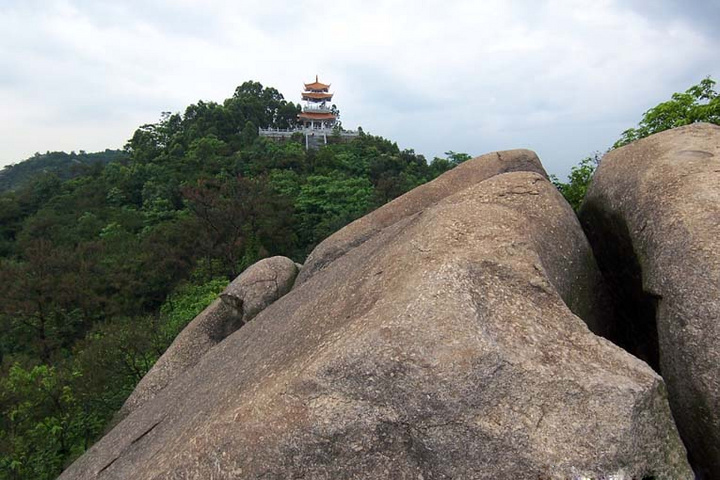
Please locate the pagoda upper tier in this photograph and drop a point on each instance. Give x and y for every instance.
(316, 86)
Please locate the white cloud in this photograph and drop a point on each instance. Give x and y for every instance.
(564, 77)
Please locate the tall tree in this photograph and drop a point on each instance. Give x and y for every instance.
(699, 103)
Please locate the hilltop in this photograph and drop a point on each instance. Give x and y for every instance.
(101, 267)
(62, 165)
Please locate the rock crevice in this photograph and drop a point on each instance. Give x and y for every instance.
(652, 214)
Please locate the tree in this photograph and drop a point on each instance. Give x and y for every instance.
(41, 424)
(249, 133)
(699, 103)
(35, 303)
(579, 180)
(456, 158)
(241, 220)
(328, 202)
(263, 106)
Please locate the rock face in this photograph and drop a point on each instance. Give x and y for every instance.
(440, 347)
(462, 176)
(653, 217)
(253, 290)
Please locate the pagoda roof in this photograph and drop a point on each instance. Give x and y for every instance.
(317, 116)
(316, 85)
(317, 95)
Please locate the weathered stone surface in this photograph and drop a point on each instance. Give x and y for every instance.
(439, 348)
(653, 217)
(466, 174)
(260, 285)
(253, 290)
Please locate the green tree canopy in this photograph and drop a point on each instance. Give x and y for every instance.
(578, 181)
(699, 103)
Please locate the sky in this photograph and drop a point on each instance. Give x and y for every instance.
(562, 77)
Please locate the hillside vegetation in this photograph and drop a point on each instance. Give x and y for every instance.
(101, 271)
(60, 164)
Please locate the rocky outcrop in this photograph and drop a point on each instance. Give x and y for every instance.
(253, 290)
(259, 286)
(462, 176)
(579, 282)
(653, 217)
(440, 347)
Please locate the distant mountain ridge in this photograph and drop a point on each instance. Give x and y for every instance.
(64, 165)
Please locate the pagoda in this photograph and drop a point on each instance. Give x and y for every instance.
(316, 114)
(317, 120)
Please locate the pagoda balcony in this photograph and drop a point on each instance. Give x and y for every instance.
(314, 109)
(315, 137)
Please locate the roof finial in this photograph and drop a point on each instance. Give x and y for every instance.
(316, 78)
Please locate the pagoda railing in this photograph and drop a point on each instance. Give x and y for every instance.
(303, 130)
(317, 109)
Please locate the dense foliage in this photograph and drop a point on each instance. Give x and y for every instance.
(101, 271)
(578, 181)
(699, 103)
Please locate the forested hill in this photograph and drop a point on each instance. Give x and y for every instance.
(101, 271)
(63, 165)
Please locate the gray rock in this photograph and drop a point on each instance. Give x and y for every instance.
(253, 290)
(204, 332)
(462, 176)
(653, 217)
(259, 286)
(439, 348)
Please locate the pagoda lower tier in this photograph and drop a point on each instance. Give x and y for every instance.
(317, 116)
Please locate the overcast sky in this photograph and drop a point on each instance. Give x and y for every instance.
(562, 77)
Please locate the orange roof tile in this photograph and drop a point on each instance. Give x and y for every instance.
(317, 116)
(316, 85)
(317, 95)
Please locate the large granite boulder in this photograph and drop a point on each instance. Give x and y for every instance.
(440, 347)
(653, 217)
(253, 290)
(462, 176)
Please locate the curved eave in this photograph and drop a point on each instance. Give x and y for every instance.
(317, 87)
(316, 116)
(316, 96)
